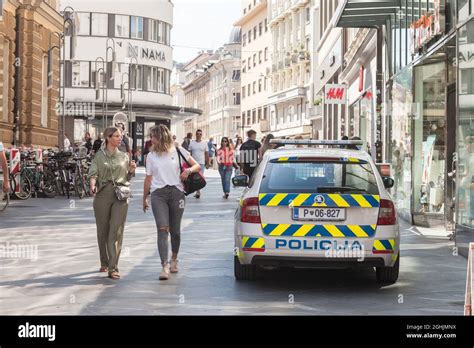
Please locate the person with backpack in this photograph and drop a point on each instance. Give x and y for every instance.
(164, 178)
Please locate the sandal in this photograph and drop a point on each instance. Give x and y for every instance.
(114, 275)
(103, 269)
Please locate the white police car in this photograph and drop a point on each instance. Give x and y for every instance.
(316, 208)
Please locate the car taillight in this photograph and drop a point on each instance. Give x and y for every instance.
(250, 211)
(387, 213)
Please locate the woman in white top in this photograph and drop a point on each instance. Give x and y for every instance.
(164, 179)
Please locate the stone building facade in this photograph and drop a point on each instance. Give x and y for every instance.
(28, 33)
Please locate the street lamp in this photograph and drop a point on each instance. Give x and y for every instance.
(109, 75)
(67, 19)
(100, 84)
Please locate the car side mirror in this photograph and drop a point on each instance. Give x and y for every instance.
(240, 181)
(388, 182)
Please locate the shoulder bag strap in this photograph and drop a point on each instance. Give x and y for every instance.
(180, 154)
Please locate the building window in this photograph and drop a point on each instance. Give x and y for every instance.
(255, 33)
(308, 14)
(255, 60)
(254, 116)
(44, 91)
(249, 63)
(136, 27)
(164, 33)
(100, 22)
(243, 92)
(249, 116)
(122, 26)
(80, 74)
(236, 75)
(266, 54)
(244, 40)
(161, 80)
(244, 66)
(250, 36)
(84, 23)
(265, 113)
(260, 57)
(259, 85)
(259, 114)
(136, 77)
(236, 98)
(266, 24)
(151, 78)
(248, 90)
(260, 29)
(153, 30)
(254, 87)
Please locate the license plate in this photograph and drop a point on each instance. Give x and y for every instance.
(319, 214)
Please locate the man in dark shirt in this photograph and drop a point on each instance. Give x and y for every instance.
(97, 144)
(249, 153)
(187, 141)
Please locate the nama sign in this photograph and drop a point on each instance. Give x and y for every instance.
(335, 94)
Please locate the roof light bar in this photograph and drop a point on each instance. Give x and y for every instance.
(315, 142)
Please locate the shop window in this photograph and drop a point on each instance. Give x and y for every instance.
(136, 27)
(465, 131)
(429, 143)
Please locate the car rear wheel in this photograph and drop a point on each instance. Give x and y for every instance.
(244, 272)
(388, 275)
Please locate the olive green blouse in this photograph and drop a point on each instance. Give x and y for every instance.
(106, 163)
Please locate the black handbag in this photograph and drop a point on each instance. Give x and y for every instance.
(195, 181)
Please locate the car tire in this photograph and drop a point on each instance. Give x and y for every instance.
(388, 275)
(244, 272)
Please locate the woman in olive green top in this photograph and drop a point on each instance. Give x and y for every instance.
(110, 164)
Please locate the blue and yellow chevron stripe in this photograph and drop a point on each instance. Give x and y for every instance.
(383, 246)
(334, 231)
(308, 200)
(253, 244)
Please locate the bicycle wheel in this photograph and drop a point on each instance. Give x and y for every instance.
(26, 189)
(49, 184)
(79, 187)
(4, 198)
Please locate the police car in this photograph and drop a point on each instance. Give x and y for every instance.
(324, 206)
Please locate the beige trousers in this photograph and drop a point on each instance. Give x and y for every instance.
(110, 217)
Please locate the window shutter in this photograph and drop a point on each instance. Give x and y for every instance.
(111, 25)
(68, 77)
(146, 29)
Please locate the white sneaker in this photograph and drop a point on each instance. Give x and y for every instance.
(174, 266)
(165, 273)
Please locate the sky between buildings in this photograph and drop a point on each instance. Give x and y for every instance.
(201, 25)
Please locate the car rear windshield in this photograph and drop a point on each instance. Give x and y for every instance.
(319, 177)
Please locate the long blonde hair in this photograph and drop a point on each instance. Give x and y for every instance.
(165, 139)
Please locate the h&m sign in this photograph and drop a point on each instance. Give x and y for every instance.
(335, 94)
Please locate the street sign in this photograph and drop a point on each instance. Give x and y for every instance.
(335, 94)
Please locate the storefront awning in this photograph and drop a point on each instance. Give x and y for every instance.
(365, 13)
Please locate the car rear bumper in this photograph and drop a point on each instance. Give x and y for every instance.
(312, 262)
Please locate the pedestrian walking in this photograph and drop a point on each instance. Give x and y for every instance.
(249, 153)
(238, 145)
(67, 143)
(225, 160)
(97, 144)
(212, 149)
(110, 168)
(187, 141)
(87, 142)
(199, 150)
(164, 178)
